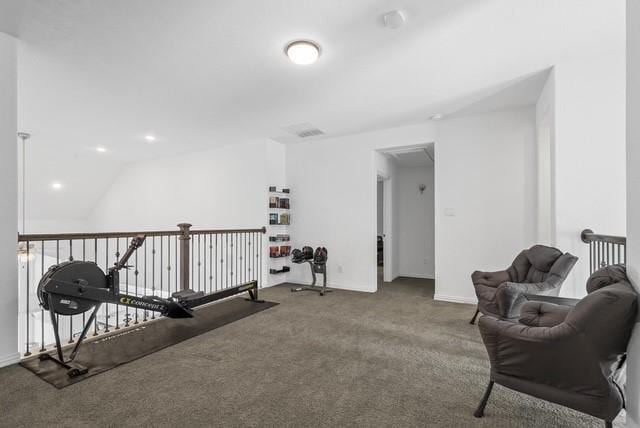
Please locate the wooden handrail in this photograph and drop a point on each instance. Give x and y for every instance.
(588, 235)
(33, 237)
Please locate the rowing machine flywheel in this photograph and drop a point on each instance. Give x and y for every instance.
(85, 275)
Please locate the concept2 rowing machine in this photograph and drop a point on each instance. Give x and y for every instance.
(75, 287)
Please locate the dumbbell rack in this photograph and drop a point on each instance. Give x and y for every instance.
(315, 268)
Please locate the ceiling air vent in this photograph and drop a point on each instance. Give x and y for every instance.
(304, 130)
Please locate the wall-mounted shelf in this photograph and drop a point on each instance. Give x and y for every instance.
(279, 220)
(284, 269)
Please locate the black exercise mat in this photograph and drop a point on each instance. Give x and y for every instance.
(120, 347)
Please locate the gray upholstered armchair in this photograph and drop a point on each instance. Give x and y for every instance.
(572, 356)
(538, 270)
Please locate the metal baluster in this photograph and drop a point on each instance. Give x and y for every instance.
(176, 265)
(42, 348)
(71, 317)
(84, 259)
(169, 264)
(117, 304)
(260, 260)
(161, 262)
(28, 352)
(226, 264)
(153, 271)
(211, 265)
(136, 273)
(106, 306)
(144, 313)
(57, 262)
(126, 287)
(199, 263)
(95, 259)
(191, 254)
(216, 268)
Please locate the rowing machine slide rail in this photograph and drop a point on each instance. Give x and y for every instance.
(75, 287)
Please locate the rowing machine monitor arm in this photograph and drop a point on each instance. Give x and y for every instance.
(133, 246)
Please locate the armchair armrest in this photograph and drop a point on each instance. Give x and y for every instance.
(557, 354)
(490, 279)
(542, 314)
(510, 296)
(563, 301)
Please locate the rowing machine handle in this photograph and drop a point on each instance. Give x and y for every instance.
(135, 244)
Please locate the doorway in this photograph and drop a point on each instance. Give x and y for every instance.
(405, 227)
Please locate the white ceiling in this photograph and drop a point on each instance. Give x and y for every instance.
(202, 73)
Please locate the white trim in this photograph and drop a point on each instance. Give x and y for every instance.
(7, 360)
(417, 275)
(455, 299)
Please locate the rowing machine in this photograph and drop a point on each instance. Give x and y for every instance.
(75, 287)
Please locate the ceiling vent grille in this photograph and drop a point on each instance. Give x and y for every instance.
(304, 130)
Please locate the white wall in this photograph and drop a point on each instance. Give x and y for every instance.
(339, 210)
(221, 188)
(633, 199)
(8, 202)
(485, 196)
(380, 208)
(416, 224)
(589, 153)
(484, 171)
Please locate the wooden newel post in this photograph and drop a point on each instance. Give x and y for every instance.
(184, 238)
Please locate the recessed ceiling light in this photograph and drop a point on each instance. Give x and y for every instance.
(56, 185)
(437, 116)
(303, 52)
(101, 149)
(150, 138)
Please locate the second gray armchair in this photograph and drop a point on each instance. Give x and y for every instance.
(537, 270)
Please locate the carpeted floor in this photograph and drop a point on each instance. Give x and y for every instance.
(395, 358)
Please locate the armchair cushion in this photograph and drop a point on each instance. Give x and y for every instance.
(542, 314)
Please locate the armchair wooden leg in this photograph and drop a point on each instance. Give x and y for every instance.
(473, 320)
(480, 410)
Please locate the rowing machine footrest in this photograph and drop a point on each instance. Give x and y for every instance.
(186, 295)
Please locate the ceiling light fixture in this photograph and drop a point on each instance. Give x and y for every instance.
(101, 149)
(150, 138)
(303, 52)
(56, 185)
(437, 116)
(394, 19)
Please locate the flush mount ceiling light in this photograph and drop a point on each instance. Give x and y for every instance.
(303, 52)
(56, 185)
(149, 138)
(437, 116)
(394, 19)
(101, 149)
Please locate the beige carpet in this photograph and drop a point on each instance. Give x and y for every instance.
(395, 358)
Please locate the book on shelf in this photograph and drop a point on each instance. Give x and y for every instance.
(285, 218)
(280, 237)
(274, 189)
(285, 250)
(274, 251)
(283, 203)
(273, 218)
(274, 202)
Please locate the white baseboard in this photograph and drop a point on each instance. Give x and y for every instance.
(417, 275)
(7, 360)
(455, 299)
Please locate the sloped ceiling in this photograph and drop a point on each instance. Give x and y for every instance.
(201, 73)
